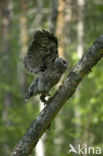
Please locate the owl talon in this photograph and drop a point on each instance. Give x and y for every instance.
(42, 98)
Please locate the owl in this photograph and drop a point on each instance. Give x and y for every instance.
(42, 59)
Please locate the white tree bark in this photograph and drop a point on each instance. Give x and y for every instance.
(80, 50)
(40, 148)
(80, 28)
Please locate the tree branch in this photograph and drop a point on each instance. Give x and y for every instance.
(40, 124)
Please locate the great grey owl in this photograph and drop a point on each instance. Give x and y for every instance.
(42, 59)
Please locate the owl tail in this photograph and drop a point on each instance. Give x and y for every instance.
(33, 90)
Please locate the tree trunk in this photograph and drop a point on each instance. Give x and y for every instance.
(80, 50)
(39, 15)
(60, 27)
(23, 40)
(80, 28)
(7, 96)
(40, 148)
(53, 16)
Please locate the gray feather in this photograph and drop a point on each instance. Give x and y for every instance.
(42, 59)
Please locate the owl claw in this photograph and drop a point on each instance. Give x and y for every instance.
(42, 98)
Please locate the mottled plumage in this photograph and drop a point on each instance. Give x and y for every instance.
(42, 59)
(41, 53)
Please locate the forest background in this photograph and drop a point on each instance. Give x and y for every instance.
(76, 23)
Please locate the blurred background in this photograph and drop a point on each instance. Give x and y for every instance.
(76, 23)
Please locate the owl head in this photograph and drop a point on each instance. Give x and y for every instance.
(60, 64)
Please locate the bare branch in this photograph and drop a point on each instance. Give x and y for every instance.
(40, 124)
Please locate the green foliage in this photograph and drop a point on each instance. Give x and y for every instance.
(16, 116)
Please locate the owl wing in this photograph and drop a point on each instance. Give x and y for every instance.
(41, 53)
